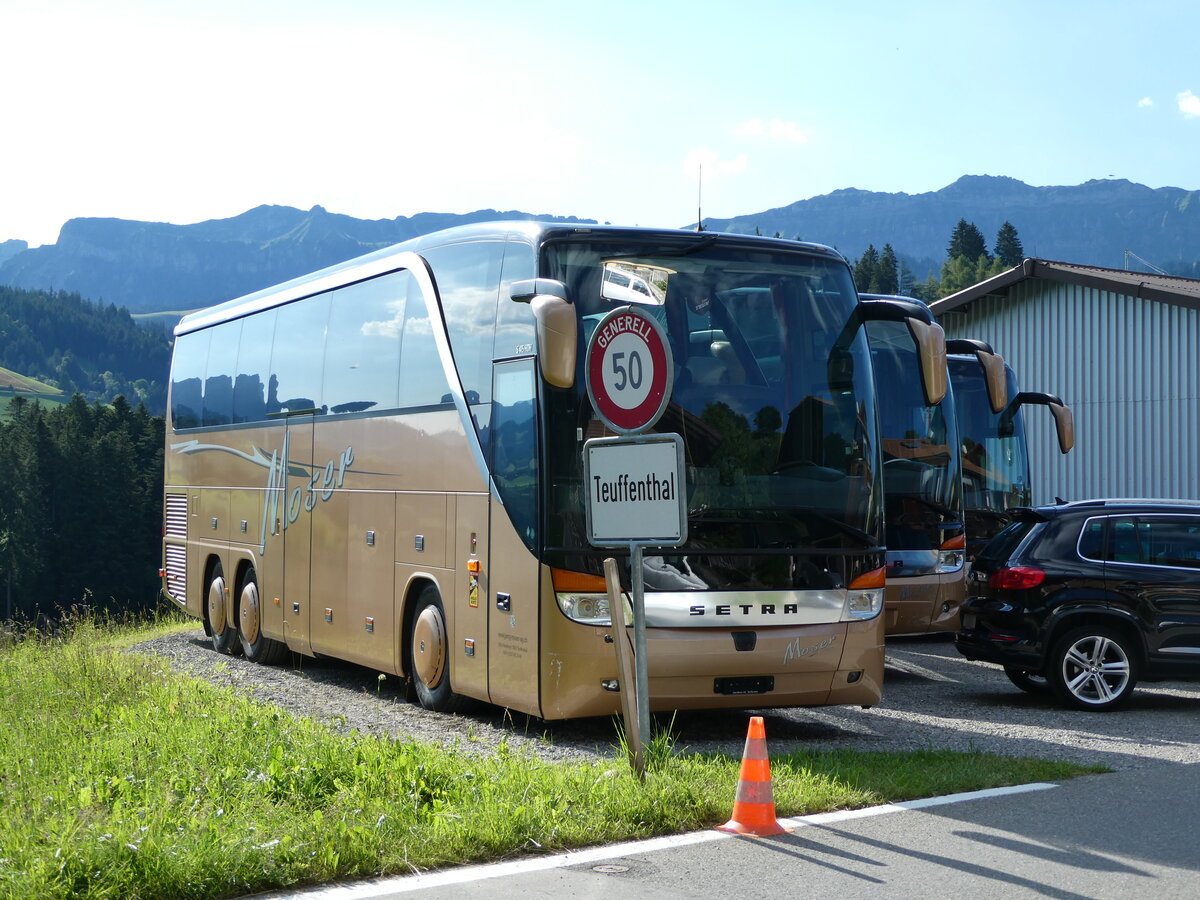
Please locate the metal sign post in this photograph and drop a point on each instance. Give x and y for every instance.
(636, 495)
(636, 498)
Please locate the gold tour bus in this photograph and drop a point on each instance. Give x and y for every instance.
(382, 462)
(995, 454)
(924, 527)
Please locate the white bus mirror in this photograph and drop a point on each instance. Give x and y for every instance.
(1064, 423)
(1064, 419)
(557, 327)
(994, 376)
(928, 336)
(557, 330)
(931, 357)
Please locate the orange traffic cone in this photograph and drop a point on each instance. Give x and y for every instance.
(754, 805)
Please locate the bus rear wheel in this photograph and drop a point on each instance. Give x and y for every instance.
(430, 653)
(222, 634)
(255, 645)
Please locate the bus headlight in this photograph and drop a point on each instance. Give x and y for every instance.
(587, 609)
(950, 561)
(862, 604)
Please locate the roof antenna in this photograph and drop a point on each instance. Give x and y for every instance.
(699, 189)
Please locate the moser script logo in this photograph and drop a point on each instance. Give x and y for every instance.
(795, 651)
(321, 483)
(304, 495)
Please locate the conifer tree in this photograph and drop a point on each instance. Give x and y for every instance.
(967, 240)
(1008, 247)
(888, 272)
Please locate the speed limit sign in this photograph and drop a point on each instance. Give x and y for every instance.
(629, 370)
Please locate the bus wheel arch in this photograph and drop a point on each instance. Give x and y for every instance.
(427, 650)
(216, 608)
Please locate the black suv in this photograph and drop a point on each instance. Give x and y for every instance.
(1086, 598)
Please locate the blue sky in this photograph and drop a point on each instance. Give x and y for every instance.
(186, 111)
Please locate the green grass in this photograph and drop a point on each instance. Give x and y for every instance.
(122, 779)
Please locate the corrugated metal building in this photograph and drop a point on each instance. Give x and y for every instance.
(1122, 349)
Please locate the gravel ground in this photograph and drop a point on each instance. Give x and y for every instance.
(933, 698)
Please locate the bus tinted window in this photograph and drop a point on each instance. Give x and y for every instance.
(468, 276)
(422, 378)
(218, 382)
(362, 352)
(250, 384)
(299, 345)
(514, 445)
(187, 386)
(514, 321)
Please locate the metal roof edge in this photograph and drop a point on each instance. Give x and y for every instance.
(1073, 273)
(975, 291)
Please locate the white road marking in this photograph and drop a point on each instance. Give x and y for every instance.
(380, 887)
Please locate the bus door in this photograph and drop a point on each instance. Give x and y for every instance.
(291, 521)
(514, 611)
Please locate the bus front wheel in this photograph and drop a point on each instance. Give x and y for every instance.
(430, 654)
(224, 637)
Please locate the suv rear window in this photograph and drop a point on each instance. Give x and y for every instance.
(1001, 547)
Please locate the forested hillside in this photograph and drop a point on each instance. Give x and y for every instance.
(80, 346)
(80, 507)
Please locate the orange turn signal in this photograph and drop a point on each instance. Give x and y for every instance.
(876, 578)
(473, 566)
(581, 582)
(955, 543)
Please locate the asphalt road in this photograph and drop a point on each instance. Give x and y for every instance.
(1132, 833)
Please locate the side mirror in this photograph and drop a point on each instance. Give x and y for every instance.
(993, 369)
(926, 334)
(557, 327)
(1064, 419)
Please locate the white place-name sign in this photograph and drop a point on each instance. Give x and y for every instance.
(635, 490)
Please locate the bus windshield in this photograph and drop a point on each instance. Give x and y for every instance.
(995, 467)
(921, 465)
(773, 397)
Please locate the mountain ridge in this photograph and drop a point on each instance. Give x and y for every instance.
(151, 267)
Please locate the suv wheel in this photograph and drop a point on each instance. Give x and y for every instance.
(1093, 668)
(1028, 681)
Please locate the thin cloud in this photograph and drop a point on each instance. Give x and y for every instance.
(1189, 104)
(773, 130)
(709, 164)
(1145, 103)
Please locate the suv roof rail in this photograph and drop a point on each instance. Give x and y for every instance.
(1133, 501)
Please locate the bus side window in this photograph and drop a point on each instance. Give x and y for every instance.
(514, 444)
(253, 368)
(362, 352)
(468, 283)
(187, 378)
(218, 379)
(422, 378)
(514, 321)
(299, 346)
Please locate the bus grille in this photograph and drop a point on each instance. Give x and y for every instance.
(176, 516)
(175, 555)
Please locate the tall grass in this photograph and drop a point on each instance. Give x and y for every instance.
(122, 779)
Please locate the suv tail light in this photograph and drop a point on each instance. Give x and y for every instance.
(1018, 578)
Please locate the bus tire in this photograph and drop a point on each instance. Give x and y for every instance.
(429, 644)
(224, 636)
(255, 645)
